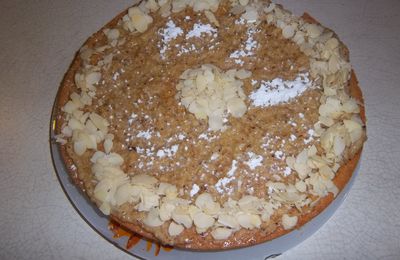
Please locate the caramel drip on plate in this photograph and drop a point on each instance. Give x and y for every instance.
(134, 239)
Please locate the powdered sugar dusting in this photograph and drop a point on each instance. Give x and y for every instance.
(168, 34)
(254, 160)
(279, 155)
(214, 156)
(144, 134)
(221, 185)
(280, 91)
(248, 47)
(287, 171)
(206, 136)
(132, 118)
(199, 28)
(169, 152)
(231, 172)
(172, 31)
(195, 190)
(310, 138)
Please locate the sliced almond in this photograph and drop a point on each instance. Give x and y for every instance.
(243, 74)
(107, 172)
(327, 172)
(140, 21)
(228, 221)
(211, 17)
(268, 210)
(92, 129)
(92, 78)
(85, 99)
(85, 53)
(148, 200)
(332, 43)
(236, 107)
(288, 31)
(237, 9)
(301, 186)
(167, 189)
(314, 30)
(289, 222)
(209, 92)
(90, 140)
(75, 124)
(269, 8)
(166, 210)
(111, 34)
(175, 229)
(351, 106)
(66, 131)
(203, 199)
(75, 97)
(165, 8)
(338, 145)
(70, 107)
(334, 64)
(97, 155)
(79, 147)
(127, 193)
(251, 14)
(249, 204)
(193, 210)
(249, 221)
(183, 219)
(105, 208)
(203, 221)
(104, 190)
(112, 159)
(144, 180)
(152, 219)
(200, 5)
(152, 5)
(299, 37)
(316, 162)
(221, 233)
(243, 2)
(178, 5)
(354, 128)
(99, 121)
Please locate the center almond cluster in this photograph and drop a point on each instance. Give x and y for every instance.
(209, 93)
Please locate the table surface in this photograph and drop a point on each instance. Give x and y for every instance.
(37, 42)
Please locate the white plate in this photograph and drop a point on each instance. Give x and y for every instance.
(99, 222)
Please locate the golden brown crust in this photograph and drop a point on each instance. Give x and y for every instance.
(198, 242)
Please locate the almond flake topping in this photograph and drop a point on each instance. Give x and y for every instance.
(212, 94)
(137, 20)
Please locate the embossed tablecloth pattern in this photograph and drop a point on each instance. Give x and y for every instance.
(37, 42)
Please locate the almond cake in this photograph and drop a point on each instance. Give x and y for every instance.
(211, 124)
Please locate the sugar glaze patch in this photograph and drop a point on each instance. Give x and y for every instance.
(279, 91)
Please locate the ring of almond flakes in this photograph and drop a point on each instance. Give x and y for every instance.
(159, 201)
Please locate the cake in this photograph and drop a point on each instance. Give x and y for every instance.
(209, 124)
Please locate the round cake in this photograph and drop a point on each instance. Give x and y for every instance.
(211, 124)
